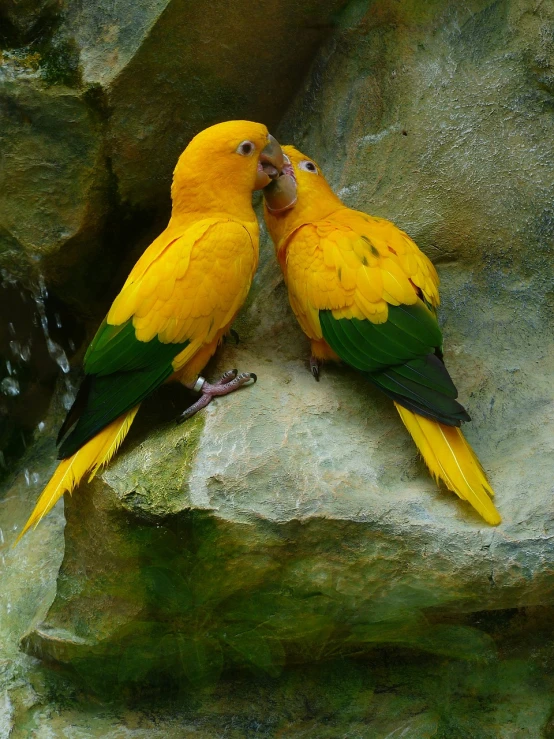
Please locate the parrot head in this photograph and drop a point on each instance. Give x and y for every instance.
(298, 195)
(224, 164)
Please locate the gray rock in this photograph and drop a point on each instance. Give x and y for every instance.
(53, 180)
(21, 20)
(143, 79)
(195, 64)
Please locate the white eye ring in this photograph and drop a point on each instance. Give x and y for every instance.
(246, 148)
(308, 166)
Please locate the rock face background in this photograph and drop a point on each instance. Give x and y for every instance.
(283, 563)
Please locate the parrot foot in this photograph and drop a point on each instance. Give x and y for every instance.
(227, 383)
(227, 377)
(314, 367)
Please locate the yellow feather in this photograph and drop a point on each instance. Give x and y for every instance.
(145, 306)
(370, 283)
(121, 429)
(377, 312)
(431, 293)
(169, 332)
(350, 312)
(395, 286)
(165, 285)
(328, 253)
(362, 250)
(187, 354)
(70, 471)
(346, 275)
(396, 242)
(451, 459)
(349, 255)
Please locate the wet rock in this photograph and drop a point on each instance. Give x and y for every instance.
(53, 181)
(97, 107)
(21, 20)
(195, 64)
(30, 360)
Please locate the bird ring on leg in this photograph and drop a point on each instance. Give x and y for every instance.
(199, 384)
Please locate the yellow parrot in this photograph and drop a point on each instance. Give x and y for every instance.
(176, 305)
(365, 294)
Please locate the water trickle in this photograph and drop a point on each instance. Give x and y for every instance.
(69, 394)
(27, 477)
(54, 349)
(9, 386)
(7, 277)
(30, 362)
(22, 351)
(2, 540)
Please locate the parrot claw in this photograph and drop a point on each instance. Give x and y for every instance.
(227, 383)
(227, 377)
(314, 368)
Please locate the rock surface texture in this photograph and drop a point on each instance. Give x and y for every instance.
(106, 95)
(292, 522)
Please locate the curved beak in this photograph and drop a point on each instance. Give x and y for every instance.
(270, 163)
(281, 194)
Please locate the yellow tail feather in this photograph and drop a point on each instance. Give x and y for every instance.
(69, 473)
(451, 459)
(113, 442)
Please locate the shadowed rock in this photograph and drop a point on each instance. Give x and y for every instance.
(144, 79)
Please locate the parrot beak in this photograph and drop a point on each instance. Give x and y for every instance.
(270, 163)
(281, 194)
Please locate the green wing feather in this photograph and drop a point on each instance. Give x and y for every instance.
(399, 356)
(121, 372)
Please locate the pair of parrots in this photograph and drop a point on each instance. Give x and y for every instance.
(360, 288)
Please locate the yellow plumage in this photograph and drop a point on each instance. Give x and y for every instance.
(178, 301)
(357, 266)
(91, 457)
(450, 458)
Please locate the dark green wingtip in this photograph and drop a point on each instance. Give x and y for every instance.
(399, 356)
(121, 372)
(419, 392)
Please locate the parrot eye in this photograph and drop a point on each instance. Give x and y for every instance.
(308, 166)
(245, 148)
